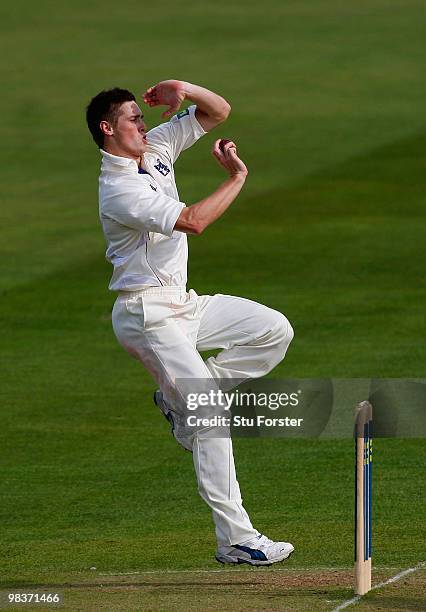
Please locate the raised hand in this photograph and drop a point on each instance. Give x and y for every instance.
(170, 93)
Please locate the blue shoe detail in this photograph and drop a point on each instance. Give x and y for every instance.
(167, 415)
(258, 555)
(171, 421)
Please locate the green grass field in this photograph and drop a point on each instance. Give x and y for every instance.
(329, 113)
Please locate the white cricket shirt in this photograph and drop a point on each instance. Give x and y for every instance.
(138, 211)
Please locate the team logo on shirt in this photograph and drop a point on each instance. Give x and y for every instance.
(152, 187)
(183, 113)
(162, 168)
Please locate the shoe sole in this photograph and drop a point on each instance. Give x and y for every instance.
(228, 560)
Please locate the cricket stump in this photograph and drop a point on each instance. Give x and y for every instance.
(363, 496)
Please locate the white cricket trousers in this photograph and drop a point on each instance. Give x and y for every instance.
(165, 328)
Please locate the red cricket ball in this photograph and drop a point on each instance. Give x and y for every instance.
(223, 143)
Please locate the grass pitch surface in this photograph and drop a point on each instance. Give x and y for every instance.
(329, 113)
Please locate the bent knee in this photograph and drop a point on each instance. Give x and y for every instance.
(290, 332)
(283, 335)
(283, 329)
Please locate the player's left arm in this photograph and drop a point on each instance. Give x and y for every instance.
(212, 109)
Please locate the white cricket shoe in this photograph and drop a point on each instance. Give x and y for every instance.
(258, 551)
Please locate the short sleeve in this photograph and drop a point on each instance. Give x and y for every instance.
(178, 134)
(144, 210)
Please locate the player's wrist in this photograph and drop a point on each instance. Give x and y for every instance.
(239, 176)
(188, 89)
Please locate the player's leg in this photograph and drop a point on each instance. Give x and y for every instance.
(166, 348)
(254, 338)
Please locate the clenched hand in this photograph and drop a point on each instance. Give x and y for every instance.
(226, 154)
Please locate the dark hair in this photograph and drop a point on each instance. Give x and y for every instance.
(105, 107)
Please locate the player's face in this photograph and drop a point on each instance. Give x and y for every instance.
(129, 131)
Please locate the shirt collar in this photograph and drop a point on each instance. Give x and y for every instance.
(115, 162)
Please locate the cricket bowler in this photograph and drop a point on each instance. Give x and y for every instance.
(155, 318)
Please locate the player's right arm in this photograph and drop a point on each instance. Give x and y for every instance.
(194, 219)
